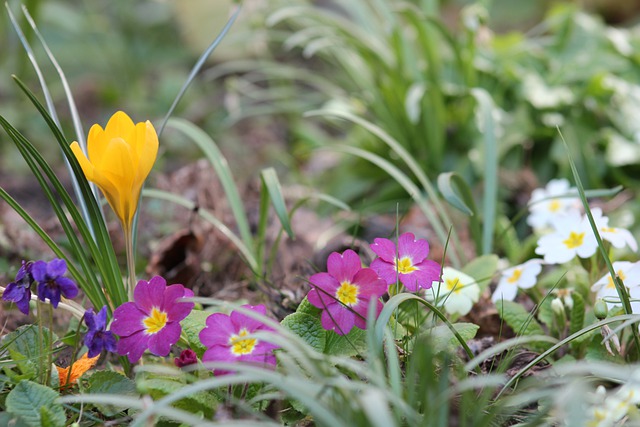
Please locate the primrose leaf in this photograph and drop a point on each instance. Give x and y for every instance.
(351, 344)
(306, 307)
(519, 319)
(28, 399)
(109, 382)
(308, 328)
(203, 402)
(444, 340)
(191, 327)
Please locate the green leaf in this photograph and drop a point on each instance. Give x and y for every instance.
(482, 269)
(109, 382)
(308, 328)
(352, 344)
(307, 308)
(456, 191)
(29, 349)
(443, 339)
(157, 388)
(191, 327)
(272, 184)
(519, 319)
(28, 398)
(577, 313)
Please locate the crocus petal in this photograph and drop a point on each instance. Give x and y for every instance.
(85, 164)
(119, 125)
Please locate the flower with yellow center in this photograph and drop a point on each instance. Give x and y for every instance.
(156, 320)
(457, 292)
(240, 345)
(629, 273)
(554, 200)
(571, 236)
(523, 276)
(120, 157)
(347, 293)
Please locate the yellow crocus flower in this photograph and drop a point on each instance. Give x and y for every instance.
(120, 158)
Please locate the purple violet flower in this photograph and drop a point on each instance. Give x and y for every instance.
(97, 337)
(228, 339)
(51, 281)
(152, 320)
(186, 358)
(408, 263)
(344, 292)
(19, 291)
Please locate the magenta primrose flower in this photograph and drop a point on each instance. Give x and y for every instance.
(408, 263)
(228, 339)
(152, 320)
(344, 291)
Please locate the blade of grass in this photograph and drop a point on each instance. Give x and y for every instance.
(198, 65)
(624, 297)
(220, 165)
(271, 183)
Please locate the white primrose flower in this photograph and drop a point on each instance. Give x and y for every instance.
(550, 202)
(618, 237)
(523, 276)
(572, 236)
(629, 273)
(457, 291)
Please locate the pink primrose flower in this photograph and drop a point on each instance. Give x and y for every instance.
(408, 262)
(228, 338)
(152, 320)
(344, 291)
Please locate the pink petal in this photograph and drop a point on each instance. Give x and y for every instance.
(127, 319)
(150, 294)
(428, 272)
(362, 309)
(385, 270)
(161, 342)
(176, 310)
(217, 331)
(240, 320)
(319, 298)
(369, 284)
(337, 318)
(408, 246)
(133, 346)
(343, 267)
(385, 249)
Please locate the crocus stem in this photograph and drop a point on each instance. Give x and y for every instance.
(131, 264)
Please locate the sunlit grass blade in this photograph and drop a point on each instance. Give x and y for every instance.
(49, 101)
(220, 165)
(198, 65)
(179, 200)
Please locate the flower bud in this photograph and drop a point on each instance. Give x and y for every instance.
(600, 309)
(187, 357)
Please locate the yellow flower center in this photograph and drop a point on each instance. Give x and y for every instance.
(515, 276)
(454, 285)
(347, 293)
(405, 266)
(240, 345)
(554, 206)
(620, 274)
(155, 322)
(574, 240)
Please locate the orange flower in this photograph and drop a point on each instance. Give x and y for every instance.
(78, 368)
